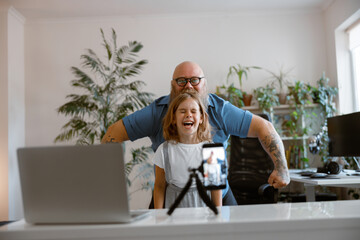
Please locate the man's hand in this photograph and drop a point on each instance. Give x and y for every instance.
(279, 179)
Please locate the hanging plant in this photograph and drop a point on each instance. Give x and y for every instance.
(324, 95)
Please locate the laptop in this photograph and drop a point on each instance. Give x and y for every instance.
(75, 184)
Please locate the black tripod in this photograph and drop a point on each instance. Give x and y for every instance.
(200, 189)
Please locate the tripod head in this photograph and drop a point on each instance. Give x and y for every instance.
(197, 170)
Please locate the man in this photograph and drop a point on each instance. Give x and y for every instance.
(225, 119)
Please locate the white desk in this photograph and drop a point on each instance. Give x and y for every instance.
(344, 179)
(308, 220)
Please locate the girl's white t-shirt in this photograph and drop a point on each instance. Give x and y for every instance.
(181, 158)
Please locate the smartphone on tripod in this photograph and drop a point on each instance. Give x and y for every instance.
(214, 166)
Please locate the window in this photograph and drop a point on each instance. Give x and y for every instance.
(354, 47)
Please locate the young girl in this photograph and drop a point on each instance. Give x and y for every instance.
(186, 129)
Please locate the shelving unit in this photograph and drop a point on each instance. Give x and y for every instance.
(279, 113)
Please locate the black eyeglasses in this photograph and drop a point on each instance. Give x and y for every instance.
(182, 81)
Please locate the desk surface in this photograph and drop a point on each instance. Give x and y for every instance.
(345, 178)
(311, 220)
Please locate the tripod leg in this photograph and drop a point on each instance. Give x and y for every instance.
(204, 196)
(181, 195)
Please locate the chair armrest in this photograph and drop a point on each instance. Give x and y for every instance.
(266, 190)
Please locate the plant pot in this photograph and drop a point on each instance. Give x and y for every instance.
(282, 98)
(247, 99)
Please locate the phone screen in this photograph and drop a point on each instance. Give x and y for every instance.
(214, 166)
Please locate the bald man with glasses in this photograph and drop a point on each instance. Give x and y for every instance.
(225, 119)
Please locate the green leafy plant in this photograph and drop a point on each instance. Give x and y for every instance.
(298, 96)
(106, 96)
(299, 93)
(290, 125)
(324, 95)
(145, 170)
(231, 94)
(267, 98)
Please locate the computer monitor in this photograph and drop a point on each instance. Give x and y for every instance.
(344, 135)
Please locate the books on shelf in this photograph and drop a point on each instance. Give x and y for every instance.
(294, 157)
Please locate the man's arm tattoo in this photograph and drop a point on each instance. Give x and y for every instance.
(110, 140)
(275, 148)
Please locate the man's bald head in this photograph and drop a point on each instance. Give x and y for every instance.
(188, 69)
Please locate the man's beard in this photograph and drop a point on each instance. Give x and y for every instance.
(204, 97)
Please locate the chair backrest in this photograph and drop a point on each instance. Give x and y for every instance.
(249, 169)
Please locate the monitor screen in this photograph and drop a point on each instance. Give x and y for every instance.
(344, 135)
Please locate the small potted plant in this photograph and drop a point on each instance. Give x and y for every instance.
(231, 94)
(299, 93)
(242, 73)
(281, 80)
(267, 98)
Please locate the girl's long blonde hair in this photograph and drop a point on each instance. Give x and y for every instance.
(170, 130)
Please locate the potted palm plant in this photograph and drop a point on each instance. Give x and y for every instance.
(242, 73)
(107, 95)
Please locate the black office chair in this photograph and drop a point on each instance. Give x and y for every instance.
(249, 169)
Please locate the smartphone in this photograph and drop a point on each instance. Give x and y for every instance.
(214, 166)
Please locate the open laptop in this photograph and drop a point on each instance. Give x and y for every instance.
(75, 184)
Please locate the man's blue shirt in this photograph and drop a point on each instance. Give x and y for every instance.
(225, 119)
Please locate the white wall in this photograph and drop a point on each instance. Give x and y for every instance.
(16, 108)
(293, 39)
(337, 18)
(4, 115)
(12, 107)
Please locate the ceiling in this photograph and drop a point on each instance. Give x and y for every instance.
(44, 9)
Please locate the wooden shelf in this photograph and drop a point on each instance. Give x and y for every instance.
(281, 109)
